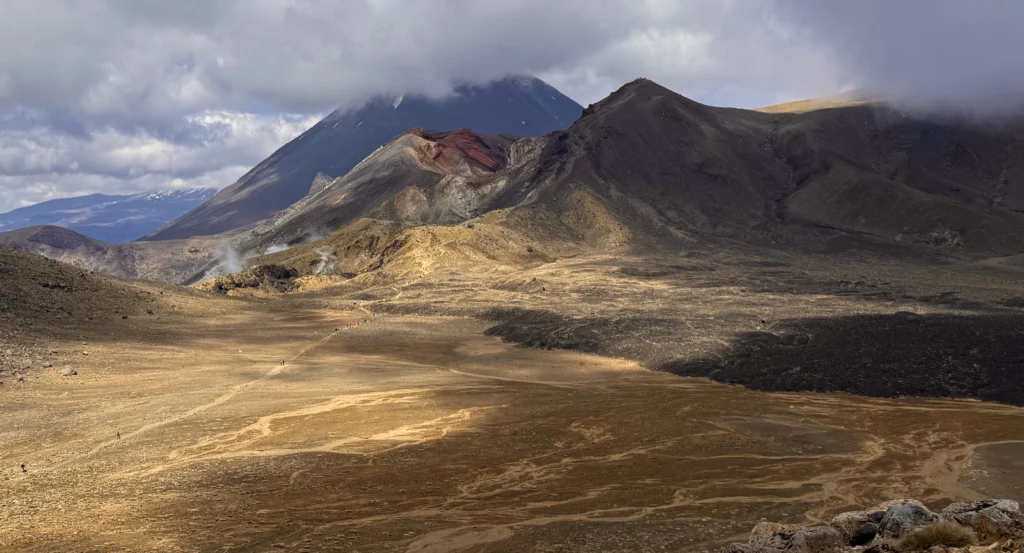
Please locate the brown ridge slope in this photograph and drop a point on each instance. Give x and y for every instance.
(846, 99)
(524, 106)
(420, 177)
(648, 167)
(51, 314)
(45, 299)
(643, 166)
(169, 261)
(670, 166)
(665, 165)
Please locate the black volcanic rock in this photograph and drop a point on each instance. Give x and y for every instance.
(895, 355)
(518, 106)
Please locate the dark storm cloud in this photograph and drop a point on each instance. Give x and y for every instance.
(938, 54)
(154, 60)
(104, 95)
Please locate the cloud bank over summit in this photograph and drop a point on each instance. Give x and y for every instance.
(942, 54)
(123, 95)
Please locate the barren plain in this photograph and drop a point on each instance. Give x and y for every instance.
(385, 415)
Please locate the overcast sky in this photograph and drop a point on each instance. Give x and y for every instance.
(121, 96)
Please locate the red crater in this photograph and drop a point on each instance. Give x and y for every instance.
(450, 148)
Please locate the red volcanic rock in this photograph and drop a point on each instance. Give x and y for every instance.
(449, 148)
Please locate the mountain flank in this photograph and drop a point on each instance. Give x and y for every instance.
(521, 106)
(649, 168)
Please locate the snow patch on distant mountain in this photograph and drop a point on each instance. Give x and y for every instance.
(110, 218)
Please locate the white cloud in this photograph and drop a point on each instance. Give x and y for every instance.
(126, 94)
(154, 60)
(213, 149)
(939, 54)
(149, 61)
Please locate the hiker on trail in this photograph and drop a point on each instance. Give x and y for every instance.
(118, 435)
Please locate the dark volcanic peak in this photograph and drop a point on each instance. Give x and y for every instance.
(650, 168)
(665, 168)
(635, 94)
(670, 165)
(518, 106)
(674, 167)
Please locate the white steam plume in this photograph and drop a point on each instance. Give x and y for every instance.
(328, 263)
(231, 261)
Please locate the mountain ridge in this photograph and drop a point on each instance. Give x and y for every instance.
(649, 170)
(647, 167)
(109, 217)
(344, 138)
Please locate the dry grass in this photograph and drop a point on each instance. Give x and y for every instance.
(811, 104)
(948, 534)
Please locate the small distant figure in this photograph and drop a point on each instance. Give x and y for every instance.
(118, 435)
(23, 469)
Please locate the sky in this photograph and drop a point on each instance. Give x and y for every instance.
(121, 96)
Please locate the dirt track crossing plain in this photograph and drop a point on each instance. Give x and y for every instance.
(283, 427)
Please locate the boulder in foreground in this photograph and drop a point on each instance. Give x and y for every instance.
(899, 526)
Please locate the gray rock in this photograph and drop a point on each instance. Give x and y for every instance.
(991, 519)
(68, 371)
(853, 523)
(768, 537)
(864, 534)
(904, 516)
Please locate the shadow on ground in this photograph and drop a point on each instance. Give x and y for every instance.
(903, 354)
(649, 340)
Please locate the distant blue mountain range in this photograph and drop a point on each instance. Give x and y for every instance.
(108, 217)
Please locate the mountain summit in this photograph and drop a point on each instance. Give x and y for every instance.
(645, 167)
(521, 106)
(649, 167)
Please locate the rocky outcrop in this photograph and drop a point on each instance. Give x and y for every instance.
(904, 516)
(991, 519)
(276, 277)
(898, 526)
(771, 537)
(320, 183)
(860, 527)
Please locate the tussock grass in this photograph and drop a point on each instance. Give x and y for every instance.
(948, 534)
